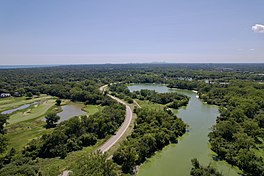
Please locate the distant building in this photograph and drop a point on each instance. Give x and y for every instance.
(3, 95)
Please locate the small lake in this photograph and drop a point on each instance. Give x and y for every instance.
(175, 159)
(69, 111)
(19, 108)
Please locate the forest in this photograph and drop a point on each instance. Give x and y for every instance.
(154, 129)
(237, 137)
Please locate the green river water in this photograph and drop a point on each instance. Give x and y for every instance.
(175, 159)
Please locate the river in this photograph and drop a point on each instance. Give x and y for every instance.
(175, 159)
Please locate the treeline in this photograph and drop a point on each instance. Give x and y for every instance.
(68, 136)
(77, 132)
(199, 170)
(239, 133)
(171, 99)
(53, 79)
(238, 136)
(95, 165)
(5, 155)
(153, 130)
(184, 84)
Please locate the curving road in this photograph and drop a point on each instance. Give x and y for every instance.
(120, 132)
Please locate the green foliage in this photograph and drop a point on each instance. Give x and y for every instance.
(3, 122)
(153, 130)
(239, 129)
(95, 165)
(235, 89)
(174, 99)
(199, 170)
(58, 102)
(88, 139)
(29, 94)
(51, 120)
(20, 167)
(78, 132)
(190, 85)
(3, 143)
(3, 138)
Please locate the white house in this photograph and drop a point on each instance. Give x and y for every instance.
(3, 95)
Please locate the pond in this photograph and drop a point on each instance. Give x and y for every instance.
(69, 111)
(19, 108)
(175, 159)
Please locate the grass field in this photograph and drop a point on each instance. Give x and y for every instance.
(21, 134)
(92, 109)
(27, 124)
(33, 112)
(14, 102)
(149, 104)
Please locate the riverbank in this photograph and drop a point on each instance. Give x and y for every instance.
(176, 159)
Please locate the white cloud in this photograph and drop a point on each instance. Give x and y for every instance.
(258, 28)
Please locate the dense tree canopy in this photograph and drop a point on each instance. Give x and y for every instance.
(77, 132)
(199, 170)
(95, 165)
(51, 119)
(237, 88)
(153, 130)
(3, 122)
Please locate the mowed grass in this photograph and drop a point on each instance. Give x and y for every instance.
(92, 109)
(10, 100)
(148, 104)
(33, 112)
(14, 102)
(29, 124)
(20, 134)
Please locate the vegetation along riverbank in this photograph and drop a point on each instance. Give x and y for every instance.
(236, 135)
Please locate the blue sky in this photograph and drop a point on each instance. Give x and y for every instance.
(129, 31)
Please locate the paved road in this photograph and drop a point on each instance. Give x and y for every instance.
(120, 132)
(102, 88)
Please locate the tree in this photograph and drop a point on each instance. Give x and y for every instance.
(51, 119)
(199, 170)
(3, 143)
(3, 121)
(94, 165)
(88, 139)
(29, 94)
(58, 102)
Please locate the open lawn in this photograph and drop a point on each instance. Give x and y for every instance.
(21, 133)
(27, 124)
(14, 102)
(33, 112)
(92, 109)
(148, 104)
